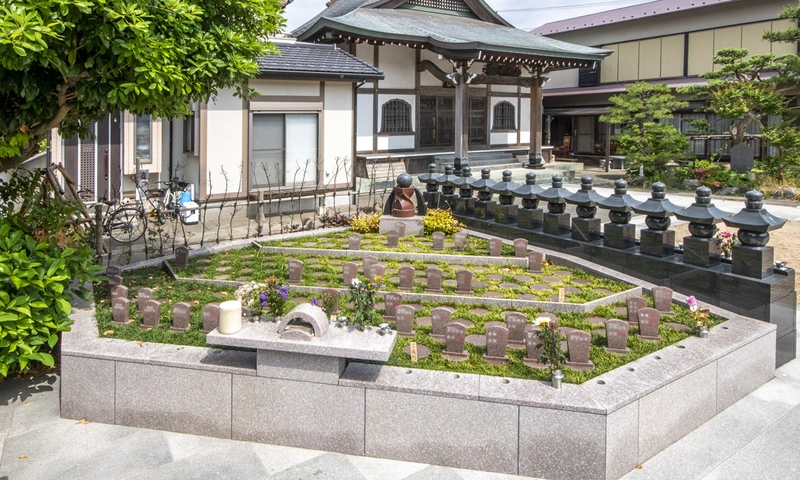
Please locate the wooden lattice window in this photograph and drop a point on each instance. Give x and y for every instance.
(396, 117)
(504, 116)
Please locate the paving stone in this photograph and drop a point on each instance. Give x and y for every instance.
(562, 273)
(494, 277)
(479, 284)
(479, 340)
(512, 286)
(423, 321)
(541, 287)
(552, 279)
(523, 278)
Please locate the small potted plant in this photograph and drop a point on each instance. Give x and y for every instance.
(362, 294)
(552, 354)
(700, 317)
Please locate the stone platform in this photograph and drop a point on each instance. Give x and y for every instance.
(413, 225)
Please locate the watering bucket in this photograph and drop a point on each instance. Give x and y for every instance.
(185, 197)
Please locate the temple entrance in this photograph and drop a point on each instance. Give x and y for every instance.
(437, 122)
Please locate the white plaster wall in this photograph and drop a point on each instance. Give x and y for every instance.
(504, 88)
(366, 52)
(395, 142)
(338, 136)
(286, 87)
(525, 121)
(503, 138)
(364, 123)
(428, 80)
(562, 79)
(398, 65)
(224, 143)
(411, 99)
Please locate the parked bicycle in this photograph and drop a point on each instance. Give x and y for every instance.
(164, 202)
(124, 223)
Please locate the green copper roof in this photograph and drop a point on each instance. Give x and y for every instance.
(444, 33)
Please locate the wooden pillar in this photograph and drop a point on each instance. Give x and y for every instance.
(535, 152)
(608, 147)
(462, 118)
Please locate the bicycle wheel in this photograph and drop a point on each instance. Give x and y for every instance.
(127, 224)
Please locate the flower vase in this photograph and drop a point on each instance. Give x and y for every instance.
(702, 332)
(556, 376)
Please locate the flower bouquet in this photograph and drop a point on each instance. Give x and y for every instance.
(551, 354)
(700, 316)
(362, 294)
(727, 241)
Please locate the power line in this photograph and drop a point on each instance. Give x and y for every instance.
(565, 7)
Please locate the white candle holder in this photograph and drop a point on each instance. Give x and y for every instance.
(230, 317)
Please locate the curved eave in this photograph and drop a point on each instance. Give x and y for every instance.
(326, 75)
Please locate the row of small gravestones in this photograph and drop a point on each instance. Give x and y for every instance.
(516, 332)
(150, 310)
(459, 242)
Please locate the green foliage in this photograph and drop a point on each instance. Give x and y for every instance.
(644, 139)
(441, 220)
(366, 223)
(362, 295)
(41, 253)
(65, 63)
(712, 175)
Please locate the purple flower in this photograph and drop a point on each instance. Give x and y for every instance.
(283, 291)
(262, 296)
(691, 301)
(316, 302)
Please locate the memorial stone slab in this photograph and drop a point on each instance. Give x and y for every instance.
(119, 291)
(401, 228)
(495, 247)
(460, 240)
(455, 334)
(405, 321)
(633, 306)
(617, 336)
(649, 320)
(369, 260)
(375, 271)
(114, 280)
(662, 299)
(520, 247)
(120, 308)
(578, 346)
(742, 158)
(113, 270)
(151, 314)
(438, 241)
(144, 294)
(210, 317)
(180, 317)
(535, 260)
(182, 257)
(464, 282)
(392, 238)
(533, 350)
(350, 271)
(354, 242)
(440, 317)
(434, 278)
(496, 343)
(516, 323)
(407, 278)
(391, 301)
(295, 271)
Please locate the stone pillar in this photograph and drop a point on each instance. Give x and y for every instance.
(484, 206)
(619, 233)
(586, 227)
(506, 212)
(530, 216)
(701, 248)
(657, 239)
(556, 221)
(753, 258)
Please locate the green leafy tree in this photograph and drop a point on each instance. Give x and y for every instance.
(64, 63)
(645, 140)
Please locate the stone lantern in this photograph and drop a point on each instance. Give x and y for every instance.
(465, 205)
(449, 196)
(585, 226)
(753, 258)
(530, 216)
(657, 239)
(506, 212)
(432, 181)
(484, 206)
(556, 221)
(619, 233)
(701, 248)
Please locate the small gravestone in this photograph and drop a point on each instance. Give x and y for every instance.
(578, 346)
(535, 260)
(617, 336)
(649, 320)
(464, 282)
(633, 305)
(375, 271)
(120, 310)
(438, 241)
(533, 350)
(391, 301)
(332, 292)
(295, 271)
(434, 279)
(741, 158)
(455, 333)
(354, 242)
(392, 238)
(120, 291)
(369, 260)
(349, 272)
(495, 247)
(144, 294)
(520, 247)
(516, 323)
(496, 343)
(406, 278)
(114, 280)
(440, 317)
(113, 270)
(182, 257)
(401, 228)
(210, 317)
(405, 321)
(460, 240)
(662, 299)
(151, 314)
(180, 317)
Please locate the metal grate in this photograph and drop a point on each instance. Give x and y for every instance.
(453, 5)
(396, 117)
(88, 166)
(504, 117)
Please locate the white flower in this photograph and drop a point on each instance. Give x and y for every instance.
(356, 283)
(541, 321)
(693, 308)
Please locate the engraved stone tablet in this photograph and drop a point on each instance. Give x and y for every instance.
(617, 335)
(349, 272)
(578, 346)
(180, 317)
(455, 333)
(144, 294)
(516, 323)
(182, 257)
(495, 247)
(369, 260)
(405, 321)
(406, 278)
(119, 291)
(295, 271)
(662, 299)
(438, 241)
(634, 305)
(354, 242)
(392, 238)
(390, 302)
(520, 247)
(434, 278)
(151, 314)
(464, 282)
(120, 308)
(535, 260)
(210, 317)
(649, 319)
(533, 350)
(460, 240)
(496, 343)
(440, 317)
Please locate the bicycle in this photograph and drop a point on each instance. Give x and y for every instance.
(123, 223)
(164, 202)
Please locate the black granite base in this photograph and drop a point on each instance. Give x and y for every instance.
(556, 223)
(432, 199)
(586, 229)
(659, 243)
(701, 251)
(484, 210)
(617, 235)
(506, 214)
(465, 206)
(753, 262)
(449, 201)
(532, 219)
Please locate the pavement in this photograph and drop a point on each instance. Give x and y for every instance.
(756, 438)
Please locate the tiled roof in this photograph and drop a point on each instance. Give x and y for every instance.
(317, 60)
(625, 14)
(336, 9)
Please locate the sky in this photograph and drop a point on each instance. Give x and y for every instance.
(524, 15)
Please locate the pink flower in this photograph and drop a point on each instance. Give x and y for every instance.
(691, 301)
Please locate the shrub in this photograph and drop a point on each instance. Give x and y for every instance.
(440, 220)
(367, 223)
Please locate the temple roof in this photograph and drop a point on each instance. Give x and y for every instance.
(311, 59)
(457, 34)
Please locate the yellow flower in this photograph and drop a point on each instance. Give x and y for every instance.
(541, 321)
